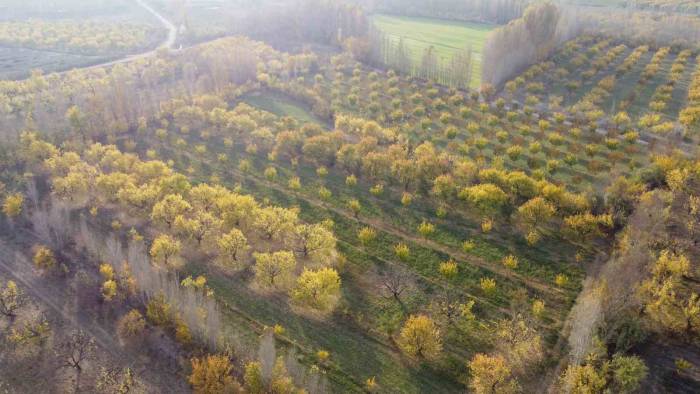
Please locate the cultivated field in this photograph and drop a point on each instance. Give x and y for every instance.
(597, 74)
(369, 315)
(16, 63)
(333, 201)
(447, 37)
(65, 34)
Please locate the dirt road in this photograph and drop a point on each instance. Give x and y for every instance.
(167, 44)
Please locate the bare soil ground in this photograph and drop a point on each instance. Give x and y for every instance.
(70, 303)
(660, 357)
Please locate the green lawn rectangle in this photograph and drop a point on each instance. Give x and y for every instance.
(447, 37)
(280, 106)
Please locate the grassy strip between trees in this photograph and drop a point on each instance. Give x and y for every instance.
(346, 230)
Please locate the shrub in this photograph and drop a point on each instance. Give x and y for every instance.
(488, 285)
(131, 325)
(449, 269)
(402, 251)
(510, 261)
(44, 258)
(426, 229)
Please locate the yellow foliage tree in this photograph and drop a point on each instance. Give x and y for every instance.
(319, 290)
(231, 246)
(169, 208)
(420, 337)
(212, 375)
(669, 302)
(12, 206)
(274, 269)
(11, 299)
(44, 258)
(490, 375)
(315, 241)
(165, 251)
(131, 325)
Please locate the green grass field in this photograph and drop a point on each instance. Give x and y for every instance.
(280, 106)
(447, 37)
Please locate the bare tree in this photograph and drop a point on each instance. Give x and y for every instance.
(448, 307)
(74, 351)
(395, 282)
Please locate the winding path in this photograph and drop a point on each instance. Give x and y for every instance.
(172, 30)
(167, 44)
